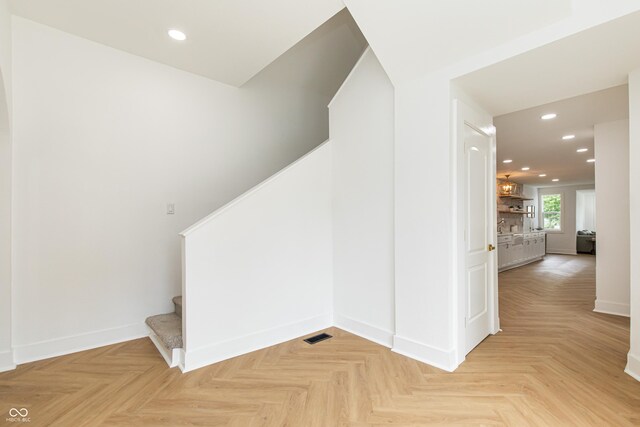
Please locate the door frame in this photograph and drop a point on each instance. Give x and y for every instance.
(464, 115)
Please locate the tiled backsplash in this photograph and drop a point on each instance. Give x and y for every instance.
(523, 223)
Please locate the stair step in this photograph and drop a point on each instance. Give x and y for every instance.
(177, 302)
(168, 329)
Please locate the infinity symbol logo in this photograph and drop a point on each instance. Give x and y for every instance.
(13, 412)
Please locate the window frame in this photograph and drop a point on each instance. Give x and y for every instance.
(543, 212)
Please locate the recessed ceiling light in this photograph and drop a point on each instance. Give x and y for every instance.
(567, 137)
(542, 175)
(526, 168)
(582, 150)
(555, 180)
(591, 160)
(507, 161)
(177, 35)
(549, 116)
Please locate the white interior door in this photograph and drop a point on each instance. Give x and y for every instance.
(479, 240)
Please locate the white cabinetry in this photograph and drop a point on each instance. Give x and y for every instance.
(515, 250)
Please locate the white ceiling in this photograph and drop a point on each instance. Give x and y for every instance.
(592, 60)
(228, 40)
(414, 37)
(529, 141)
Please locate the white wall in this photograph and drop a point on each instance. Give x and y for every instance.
(361, 131)
(103, 141)
(633, 364)
(6, 356)
(259, 271)
(612, 207)
(425, 167)
(424, 219)
(562, 242)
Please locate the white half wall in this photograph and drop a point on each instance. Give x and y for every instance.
(563, 242)
(259, 270)
(103, 141)
(612, 207)
(6, 354)
(361, 123)
(633, 364)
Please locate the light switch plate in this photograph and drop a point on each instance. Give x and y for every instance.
(171, 208)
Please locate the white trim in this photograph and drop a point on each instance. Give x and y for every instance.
(442, 359)
(6, 361)
(541, 193)
(200, 357)
(633, 366)
(249, 192)
(351, 73)
(81, 342)
(172, 357)
(364, 330)
(464, 115)
(521, 264)
(615, 308)
(181, 354)
(561, 252)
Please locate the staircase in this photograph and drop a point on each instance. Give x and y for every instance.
(166, 333)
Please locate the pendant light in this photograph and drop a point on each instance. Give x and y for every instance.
(507, 188)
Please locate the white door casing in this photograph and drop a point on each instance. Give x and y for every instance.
(477, 292)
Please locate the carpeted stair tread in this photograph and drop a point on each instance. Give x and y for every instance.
(168, 329)
(177, 302)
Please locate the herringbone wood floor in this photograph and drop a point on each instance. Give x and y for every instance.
(556, 363)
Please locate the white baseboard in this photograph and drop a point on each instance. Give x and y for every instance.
(172, 357)
(521, 264)
(61, 346)
(6, 361)
(562, 252)
(614, 308)
(200, 357)
(364, 330)
(443, 359)
(633, 366)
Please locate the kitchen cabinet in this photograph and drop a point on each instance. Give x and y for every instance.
(515, 250)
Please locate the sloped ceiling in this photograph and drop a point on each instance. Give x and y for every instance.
(320, 62)
(414, 37)
(228, 40)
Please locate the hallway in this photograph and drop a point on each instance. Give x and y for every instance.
(556, 364)
(573, 357)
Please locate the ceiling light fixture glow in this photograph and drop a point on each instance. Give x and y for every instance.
(177, 35)
(555, 180)
(526, 168)
(567, 137)
(507, 161)
(549, 116)
(542, 175)
(581, 150)
(591, 160)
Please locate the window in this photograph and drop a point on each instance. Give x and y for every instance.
(551, 212)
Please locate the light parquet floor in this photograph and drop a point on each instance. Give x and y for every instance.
(556, 363)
